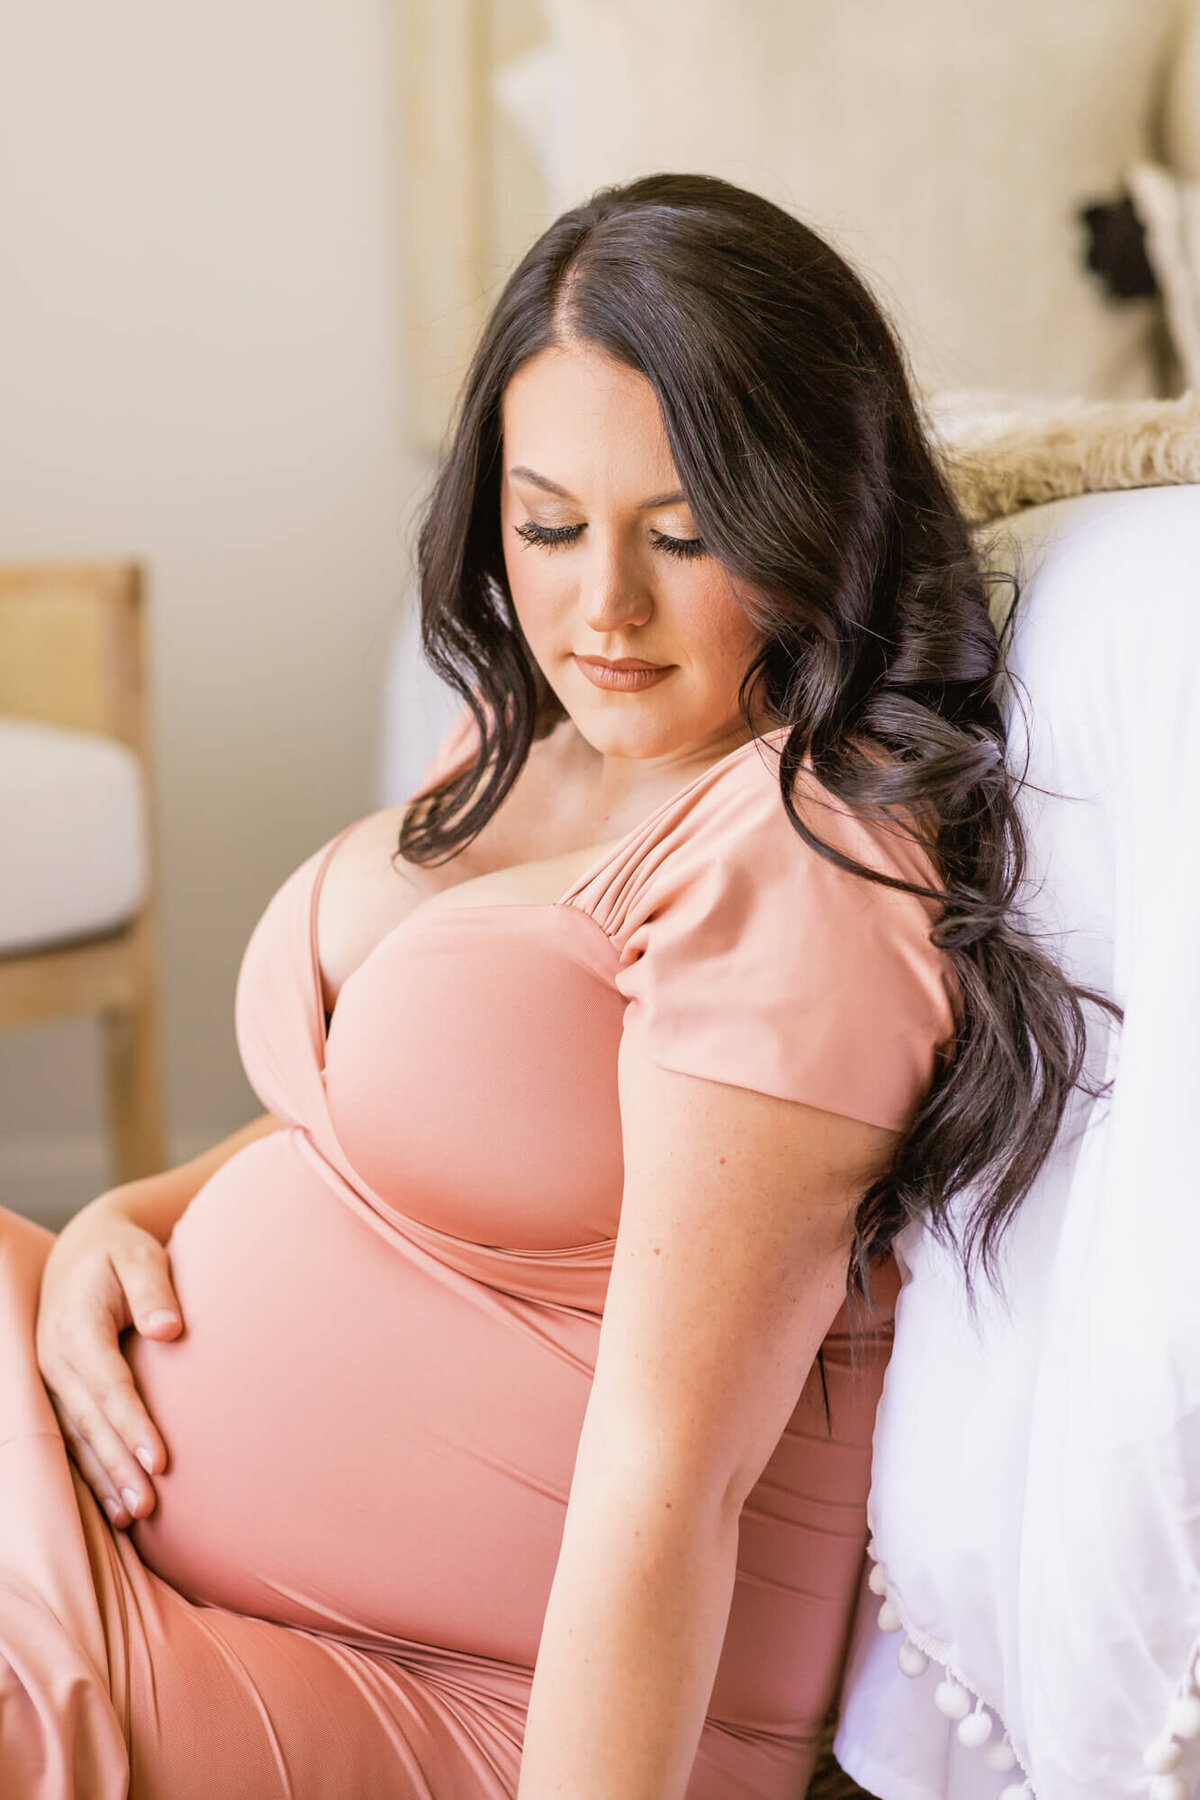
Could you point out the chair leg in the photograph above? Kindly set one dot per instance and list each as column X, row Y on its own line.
column 134, row 1097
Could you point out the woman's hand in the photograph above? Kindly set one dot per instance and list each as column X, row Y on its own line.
column 103, row 1274
column 107, row 1270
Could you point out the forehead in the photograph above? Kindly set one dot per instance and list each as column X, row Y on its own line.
column 573, row 412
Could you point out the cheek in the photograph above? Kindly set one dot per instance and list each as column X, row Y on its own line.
column 536, row 590
column 709, row 613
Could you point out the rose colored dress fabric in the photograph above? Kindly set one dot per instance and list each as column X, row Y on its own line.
column 392, row 1310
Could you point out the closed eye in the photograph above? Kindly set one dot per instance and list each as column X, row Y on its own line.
column 550, row 537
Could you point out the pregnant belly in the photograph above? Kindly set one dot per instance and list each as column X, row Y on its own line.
column 357, row 1441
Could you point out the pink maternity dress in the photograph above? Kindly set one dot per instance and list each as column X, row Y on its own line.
column 391, row 1315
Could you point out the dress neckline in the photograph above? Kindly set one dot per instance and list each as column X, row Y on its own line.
column 614, row 849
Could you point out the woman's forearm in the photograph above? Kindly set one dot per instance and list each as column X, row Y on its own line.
column 630, row 1645
column 156, row 1202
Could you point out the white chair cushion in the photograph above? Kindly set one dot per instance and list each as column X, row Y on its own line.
column 73, row 846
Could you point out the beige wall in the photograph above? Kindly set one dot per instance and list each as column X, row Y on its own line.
column 199, row 366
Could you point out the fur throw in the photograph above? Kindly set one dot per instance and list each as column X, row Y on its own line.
column 1002, row 452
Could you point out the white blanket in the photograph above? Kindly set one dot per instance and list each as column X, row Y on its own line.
column 1035, row 1502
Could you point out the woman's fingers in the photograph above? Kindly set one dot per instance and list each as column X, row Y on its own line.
column 104, row 1275
column 90, row 1467
column 99, row 1396
column 143, row 1269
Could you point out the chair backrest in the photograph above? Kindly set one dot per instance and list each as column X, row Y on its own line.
column 72, row 647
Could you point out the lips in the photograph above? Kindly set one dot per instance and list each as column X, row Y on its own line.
column 625, row 662
column 630, row 675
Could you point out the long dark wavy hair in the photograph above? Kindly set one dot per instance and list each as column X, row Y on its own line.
column 797, row 440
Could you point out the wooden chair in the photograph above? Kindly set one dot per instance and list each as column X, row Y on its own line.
column 72, row 653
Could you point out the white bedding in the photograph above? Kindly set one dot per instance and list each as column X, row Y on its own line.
column 1035, row 1501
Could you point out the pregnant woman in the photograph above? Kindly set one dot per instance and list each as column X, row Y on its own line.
column 512, row 1435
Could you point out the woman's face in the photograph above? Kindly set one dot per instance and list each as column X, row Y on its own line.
column 586, row 460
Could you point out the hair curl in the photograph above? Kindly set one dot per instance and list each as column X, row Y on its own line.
column 796, row 437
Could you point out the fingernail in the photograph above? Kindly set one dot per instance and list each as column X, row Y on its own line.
column 112, row 1508
column 130, row 1499
column 144, row 1457
column 162, row 1318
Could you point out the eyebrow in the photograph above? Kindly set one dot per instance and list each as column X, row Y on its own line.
column 552, row 487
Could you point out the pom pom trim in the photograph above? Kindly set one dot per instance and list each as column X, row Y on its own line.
column 940, row 1653
column 1161, row 1758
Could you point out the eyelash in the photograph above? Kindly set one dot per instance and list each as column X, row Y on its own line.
column 553, row 537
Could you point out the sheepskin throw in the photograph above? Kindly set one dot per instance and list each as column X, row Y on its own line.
column 1002, row 452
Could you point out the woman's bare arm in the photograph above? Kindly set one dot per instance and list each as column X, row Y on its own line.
column 729, row 1269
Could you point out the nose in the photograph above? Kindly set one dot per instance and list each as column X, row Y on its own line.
column 614, row 592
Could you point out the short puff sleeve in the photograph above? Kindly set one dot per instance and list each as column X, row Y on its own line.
column 746, row 957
